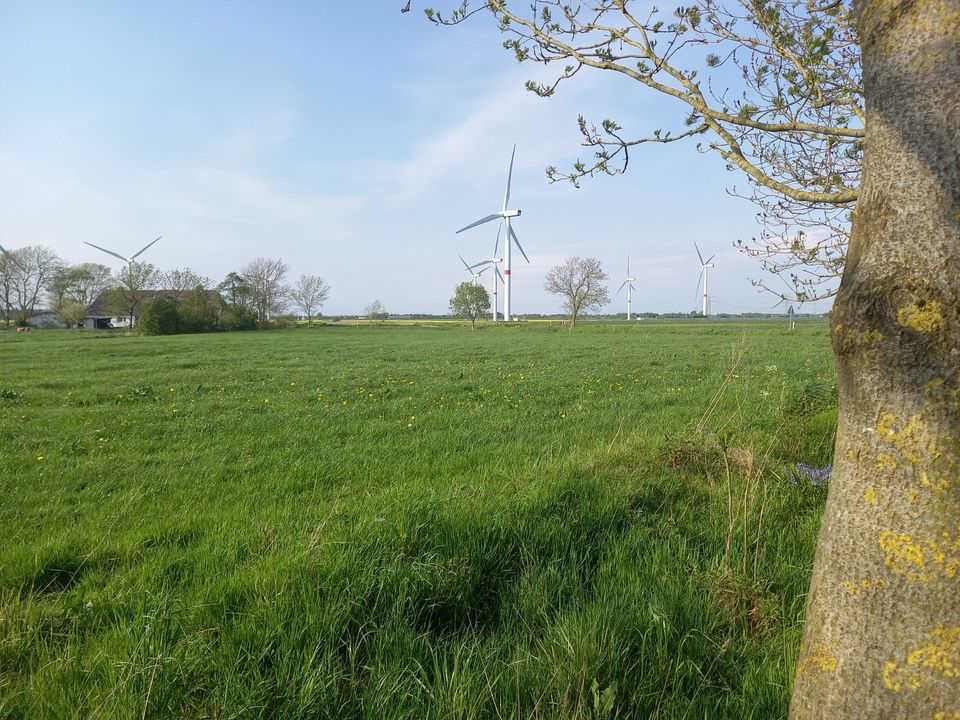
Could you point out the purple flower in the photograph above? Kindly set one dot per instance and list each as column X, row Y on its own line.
column 816, row 476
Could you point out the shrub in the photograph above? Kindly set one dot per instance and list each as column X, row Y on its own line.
column 238, row 318
column 160, row 317
column 200, row 311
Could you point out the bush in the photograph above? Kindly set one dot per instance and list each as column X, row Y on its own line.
column 160, row 317
column 200, row 311
column 238, row 318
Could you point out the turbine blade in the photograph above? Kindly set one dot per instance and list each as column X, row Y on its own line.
column 710, row 259
column 622, row 286
column 108, row 252
column 496, row 245
column 517, row 241
column 698, row 253
column 481, row 221
column 484, row 270
column 628, row 264
column 500, row 275
column 506, row 195
column 463, row 261
column 479, row 264
column 145, row 248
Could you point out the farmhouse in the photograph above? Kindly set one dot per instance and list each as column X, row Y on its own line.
column 100, row 317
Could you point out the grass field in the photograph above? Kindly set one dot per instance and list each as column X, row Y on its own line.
column 416, row 522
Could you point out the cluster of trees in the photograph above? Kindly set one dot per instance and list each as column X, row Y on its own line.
column 180, row 300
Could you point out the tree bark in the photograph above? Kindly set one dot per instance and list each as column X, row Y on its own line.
column 882, row 635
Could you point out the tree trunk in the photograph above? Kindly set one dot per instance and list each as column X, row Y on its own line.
column 882, row 636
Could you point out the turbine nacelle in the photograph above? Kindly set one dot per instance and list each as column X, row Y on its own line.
column 510, row 213
column 128, row 260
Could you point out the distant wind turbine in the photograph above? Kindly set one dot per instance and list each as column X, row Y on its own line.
column 505, row 216
column 128, row 260
column 704, row 273
column 470, row 269
column 628, row 283
column 495, row 262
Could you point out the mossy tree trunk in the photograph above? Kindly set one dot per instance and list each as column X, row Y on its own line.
column 882, row 637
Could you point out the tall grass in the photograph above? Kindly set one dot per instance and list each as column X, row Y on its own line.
column 408, row 522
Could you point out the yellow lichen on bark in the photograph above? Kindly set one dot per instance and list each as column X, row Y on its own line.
column 854, row 587
column 921, row 560
column 818, row 662
column 850, row 339
column 939, row 655
column 885, row 461
column 925, row 318
column 896, row 677
column 914, row 442
column 870, row 496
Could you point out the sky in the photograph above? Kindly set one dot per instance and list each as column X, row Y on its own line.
column 352, row 141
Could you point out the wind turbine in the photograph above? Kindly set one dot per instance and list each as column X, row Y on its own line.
column 492, row 262
column 704, row 273
column 128, row 260
column 470, row 269
column 505, row 216
column 629, row 285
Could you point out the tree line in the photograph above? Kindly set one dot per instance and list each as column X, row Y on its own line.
column 179, row 300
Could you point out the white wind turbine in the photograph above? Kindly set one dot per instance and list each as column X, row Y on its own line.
column 470, row 269
column 628, row 283
column 493, row 262
column 704, row 273
column 505, row 216
column 128, row 260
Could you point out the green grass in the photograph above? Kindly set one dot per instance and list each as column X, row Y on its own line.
column 416, row 522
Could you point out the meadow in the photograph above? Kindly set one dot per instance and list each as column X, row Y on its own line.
column 410, row 521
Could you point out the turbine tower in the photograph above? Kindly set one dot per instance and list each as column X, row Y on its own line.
column 629, row 285
column 505, row 216
column 494, row 262
column 128, row 260
column 704, row 273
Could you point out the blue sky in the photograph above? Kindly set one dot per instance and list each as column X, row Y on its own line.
column 346, row 138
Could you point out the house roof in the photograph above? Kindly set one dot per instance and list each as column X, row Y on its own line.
column 99, row 307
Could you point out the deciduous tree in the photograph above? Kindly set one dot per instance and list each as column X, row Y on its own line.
column 28, row 270
column 268, row 290
column 184, row 280
column 793, row 123
column 74, row 288
column 470, row 301
column 309, row 293
column 882, row 637
column 376, row 311
column 581, row 284
column 236, row 291
column 134, row 282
